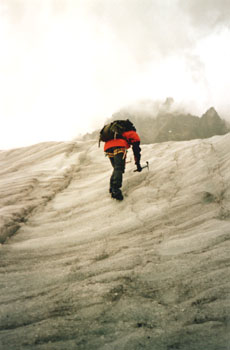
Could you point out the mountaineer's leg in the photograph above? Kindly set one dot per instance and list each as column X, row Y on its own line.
column 116, row 178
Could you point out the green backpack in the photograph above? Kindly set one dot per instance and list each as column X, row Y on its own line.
column 114, row 130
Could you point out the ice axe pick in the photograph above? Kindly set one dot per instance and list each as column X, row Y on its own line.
column 145, row 166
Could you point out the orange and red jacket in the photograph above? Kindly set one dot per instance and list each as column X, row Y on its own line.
column 130, row 136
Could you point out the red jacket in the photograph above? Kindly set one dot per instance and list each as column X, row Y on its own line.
column 131, row 136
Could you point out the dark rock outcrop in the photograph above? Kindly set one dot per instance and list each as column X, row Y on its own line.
column 211, row 124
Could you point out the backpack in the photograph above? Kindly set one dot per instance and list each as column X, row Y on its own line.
column 114, row 130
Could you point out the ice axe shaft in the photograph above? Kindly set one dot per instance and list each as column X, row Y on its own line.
column 145, row 166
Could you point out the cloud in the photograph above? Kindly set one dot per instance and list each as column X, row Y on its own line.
column 146, row 28
column 208, row 15
column 74, row 63
column 150, row 28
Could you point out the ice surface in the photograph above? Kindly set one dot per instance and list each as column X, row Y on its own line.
column 82, row 271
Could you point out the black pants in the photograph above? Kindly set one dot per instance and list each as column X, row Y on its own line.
column 117, row 159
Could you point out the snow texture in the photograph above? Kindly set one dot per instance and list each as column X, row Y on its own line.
column 80, row 270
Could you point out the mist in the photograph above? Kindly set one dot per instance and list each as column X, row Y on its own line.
column 67, row 66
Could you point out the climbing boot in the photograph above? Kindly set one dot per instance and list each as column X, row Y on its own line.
column 117, row 194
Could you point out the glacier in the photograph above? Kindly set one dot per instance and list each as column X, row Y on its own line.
column 80, row 270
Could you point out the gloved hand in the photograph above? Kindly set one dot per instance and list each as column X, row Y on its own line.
column 139, row 168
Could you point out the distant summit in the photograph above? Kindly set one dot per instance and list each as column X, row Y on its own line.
column 212, row 124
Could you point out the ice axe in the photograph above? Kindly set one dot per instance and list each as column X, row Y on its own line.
column 145, row 166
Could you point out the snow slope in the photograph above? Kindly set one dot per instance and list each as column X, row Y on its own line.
column 82, row 271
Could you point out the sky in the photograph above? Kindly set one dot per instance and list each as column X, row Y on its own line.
column 68, row 65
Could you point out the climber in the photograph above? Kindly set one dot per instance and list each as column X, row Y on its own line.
column 118, row 137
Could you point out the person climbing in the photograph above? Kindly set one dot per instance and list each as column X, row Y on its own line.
column 118, row 137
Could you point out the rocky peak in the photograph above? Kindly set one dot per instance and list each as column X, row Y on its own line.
column 211, row 114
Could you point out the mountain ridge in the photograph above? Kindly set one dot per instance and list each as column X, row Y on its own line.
column 162, row 123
